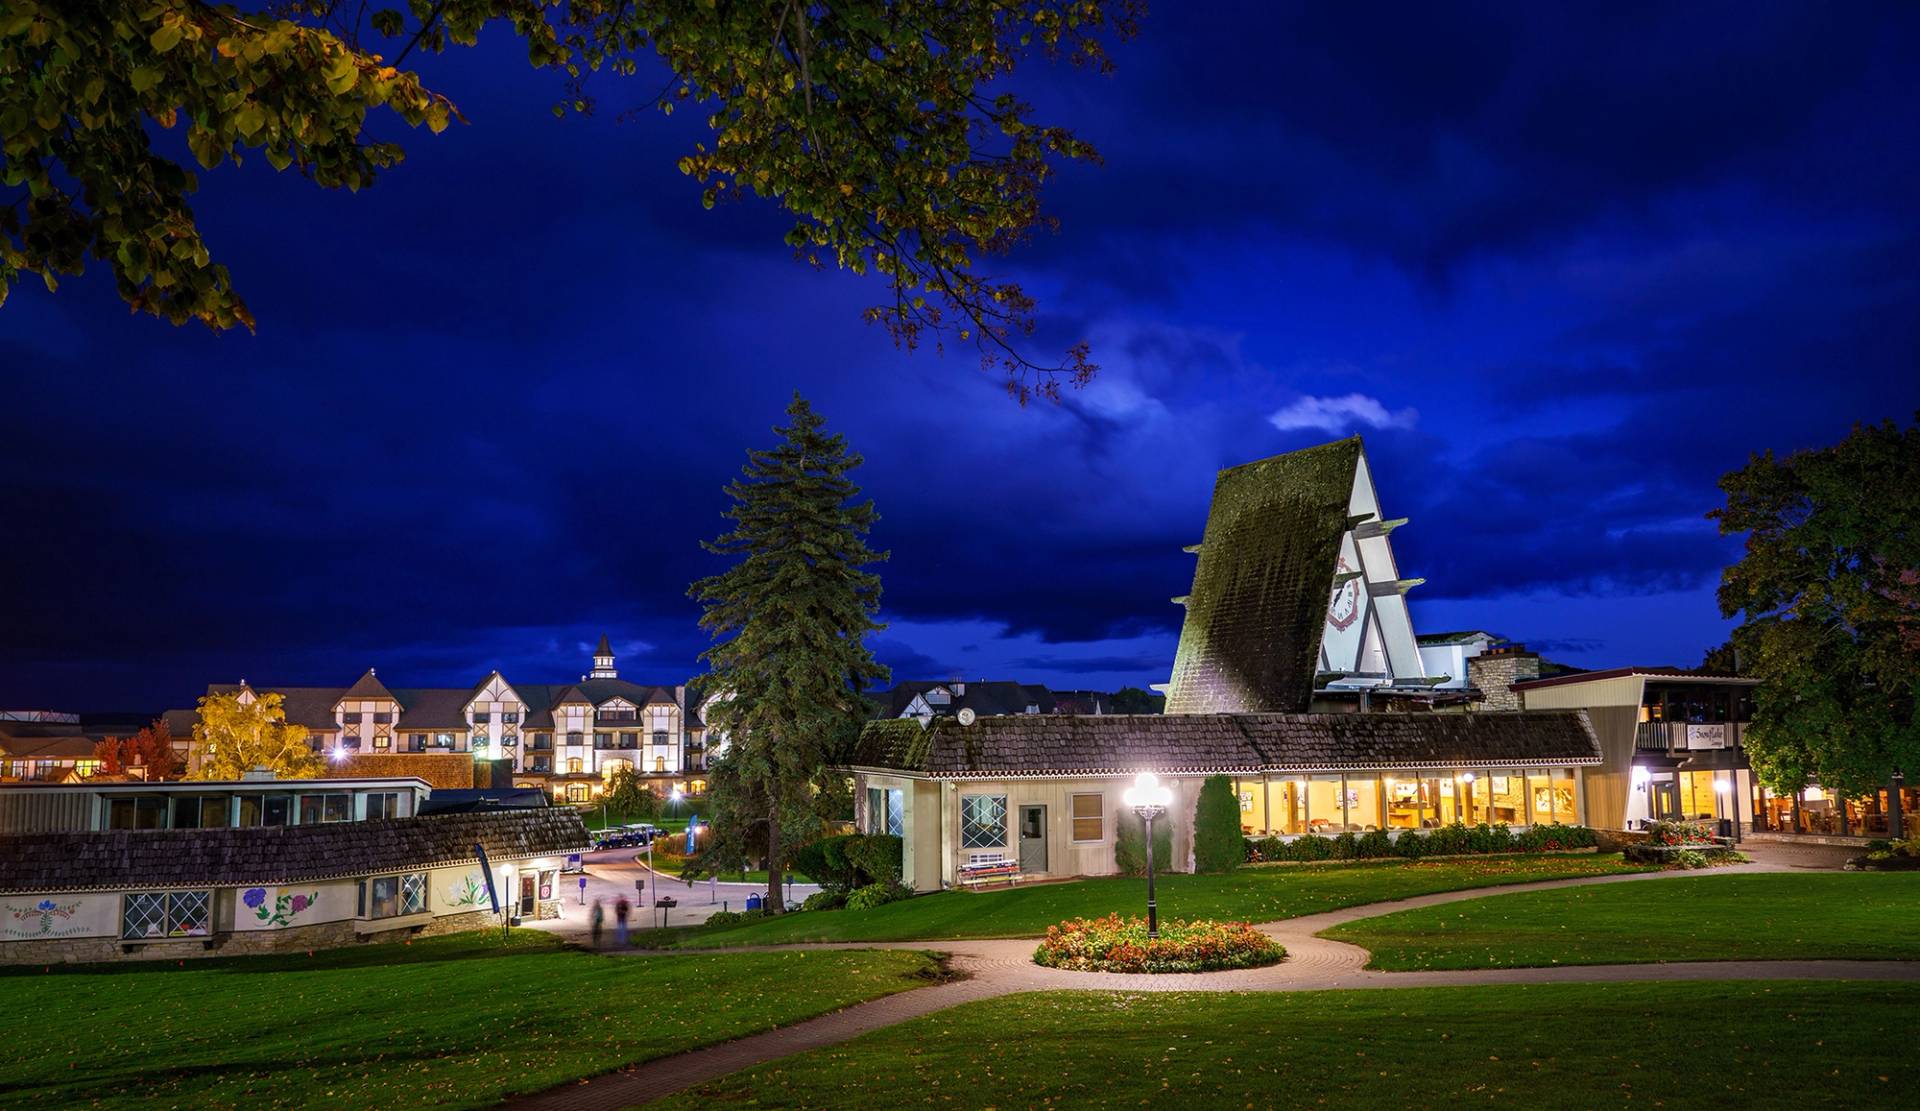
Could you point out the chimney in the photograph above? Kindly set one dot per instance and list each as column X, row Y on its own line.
column 257, row 774
column 1494, row 672
column 960, row 689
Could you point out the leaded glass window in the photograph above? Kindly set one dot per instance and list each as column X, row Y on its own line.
column 983, row 821
column 157, row 914
column 413, row 893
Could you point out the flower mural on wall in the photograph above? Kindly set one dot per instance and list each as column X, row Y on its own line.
column 471, row 891
column 284, row 910
column 45, row 918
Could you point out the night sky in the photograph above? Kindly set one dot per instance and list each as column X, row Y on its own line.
column 1561, row 271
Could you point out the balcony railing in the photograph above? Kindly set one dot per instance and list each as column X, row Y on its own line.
column 1688, row 736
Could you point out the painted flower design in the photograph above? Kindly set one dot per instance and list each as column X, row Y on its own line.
column 299, row 903
column 47, row 905
column 254, row 896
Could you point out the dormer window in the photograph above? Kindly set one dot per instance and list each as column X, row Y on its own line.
column 481, row 717
column 511, row 717
column 938, row 696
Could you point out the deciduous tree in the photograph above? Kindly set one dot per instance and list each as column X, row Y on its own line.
column 790, row 618
column 148, row 753
column 236, row 737
column 880, row 126
column 1826, row 595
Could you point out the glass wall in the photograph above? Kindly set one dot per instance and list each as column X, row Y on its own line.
column 1363, row 801
column 1506, row 797
column 1471, row 790
column 1326, row 810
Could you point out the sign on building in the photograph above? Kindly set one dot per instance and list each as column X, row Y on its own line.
column 1706, row 736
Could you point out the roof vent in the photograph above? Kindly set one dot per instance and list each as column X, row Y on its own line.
column 256, row 774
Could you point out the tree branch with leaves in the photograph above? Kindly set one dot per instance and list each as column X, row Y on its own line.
column 875, row 124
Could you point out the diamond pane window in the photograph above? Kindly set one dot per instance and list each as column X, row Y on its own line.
column 897, row 813
column 413, row 893
column 144, row 915
column 983, row 821
column 187, row 913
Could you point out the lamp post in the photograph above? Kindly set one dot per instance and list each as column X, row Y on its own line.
column 1149, row 799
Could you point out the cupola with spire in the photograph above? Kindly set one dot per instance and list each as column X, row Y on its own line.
column 603, row 661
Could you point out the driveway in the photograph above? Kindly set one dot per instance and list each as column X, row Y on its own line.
column 613, row 873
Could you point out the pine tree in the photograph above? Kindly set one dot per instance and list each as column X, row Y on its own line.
column 790, row 620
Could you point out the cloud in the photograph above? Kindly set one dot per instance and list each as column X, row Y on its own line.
column 1334, row 415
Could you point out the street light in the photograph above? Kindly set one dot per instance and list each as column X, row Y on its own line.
column 1149, row 799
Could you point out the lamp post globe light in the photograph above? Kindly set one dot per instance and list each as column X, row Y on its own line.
column 1149, row 799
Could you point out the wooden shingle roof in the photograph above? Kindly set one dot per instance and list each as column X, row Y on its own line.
column 111, row 860
column 1242, row 744
column 1251, row 639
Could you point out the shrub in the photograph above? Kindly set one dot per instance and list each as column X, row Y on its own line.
column 824, row 900
column 878, row 894
column 1375, row 843
column 1688, row 858
column 875, row 857
column 1216, row 827
column 851, row 860
column 735, row 917
column 1114, row 944
column 1129, row 845
column 1452, row 840
column 1679, row 833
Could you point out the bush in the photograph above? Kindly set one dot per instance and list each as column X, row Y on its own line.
column 849, row 861
column 1129, row 845
column 1375, row 843
column 1113, row 944
column 1453, row 840
column 875, row 857
column 1688, row 858
column 877, row 895
column 1216, row 827
column 735, row 917
column 824, row 900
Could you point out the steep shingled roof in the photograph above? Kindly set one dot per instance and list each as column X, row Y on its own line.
column 367, row 688
column 1115, row 744
column 1251, row 639
column 134, row 859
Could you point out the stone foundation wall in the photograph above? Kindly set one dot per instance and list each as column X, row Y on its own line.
column 324, row 935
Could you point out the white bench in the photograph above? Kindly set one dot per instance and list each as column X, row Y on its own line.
column 990, row 869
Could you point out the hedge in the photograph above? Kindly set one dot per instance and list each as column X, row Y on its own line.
column 1452, row 840
column 1216, row 827
column 850, row 861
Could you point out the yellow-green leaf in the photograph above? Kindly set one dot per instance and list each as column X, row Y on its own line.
column 165, row 38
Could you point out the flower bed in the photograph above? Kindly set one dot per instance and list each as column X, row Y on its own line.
column 1114, row 944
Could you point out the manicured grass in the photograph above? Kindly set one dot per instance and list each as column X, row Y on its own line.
column 1696, row 918
column 1250, row 894
column 752, row 877
column 1789, row 1045
column 457, row 1021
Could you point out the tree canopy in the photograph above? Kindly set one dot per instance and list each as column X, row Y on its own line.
column 150, row 752
column 879, row 126
column 1828, row 592
column 790, row 619
column 235, row 737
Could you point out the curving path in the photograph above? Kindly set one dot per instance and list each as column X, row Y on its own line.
column 1005, row 967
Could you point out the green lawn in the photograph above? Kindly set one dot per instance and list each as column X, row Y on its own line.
column 1787, row 1045
column 1696, row 918
column 457, row 1021
column 1250, row 894
column 752, row 877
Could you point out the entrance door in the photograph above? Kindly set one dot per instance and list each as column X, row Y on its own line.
column 526, row 897
column 1033, row 840
column 1666, row 801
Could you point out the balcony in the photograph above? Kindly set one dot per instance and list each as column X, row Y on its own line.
column 1688, row 736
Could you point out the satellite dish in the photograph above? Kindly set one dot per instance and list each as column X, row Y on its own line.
column 966, row 715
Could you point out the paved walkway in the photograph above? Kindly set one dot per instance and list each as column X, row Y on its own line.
column 612, row 874
column 1005, row 967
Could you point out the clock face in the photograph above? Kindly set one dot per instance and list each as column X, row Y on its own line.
column 1346, row 600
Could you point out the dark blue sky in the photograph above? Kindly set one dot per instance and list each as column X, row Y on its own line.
column 1561, row 270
